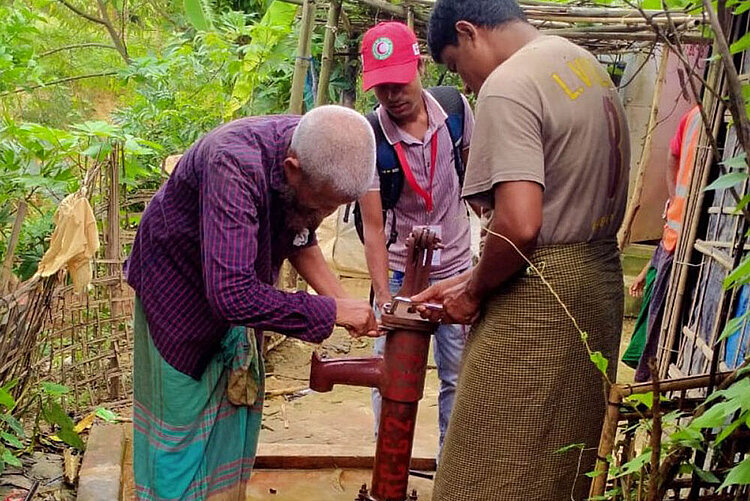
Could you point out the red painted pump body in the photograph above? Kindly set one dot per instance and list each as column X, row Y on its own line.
column 399, row 375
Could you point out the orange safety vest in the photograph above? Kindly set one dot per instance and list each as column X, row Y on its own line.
column 688, row 150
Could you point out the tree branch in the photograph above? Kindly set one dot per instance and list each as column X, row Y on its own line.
column 735, row 103
column 116, row 37
column 76, row 46
column 60, row 81
column 81, row 13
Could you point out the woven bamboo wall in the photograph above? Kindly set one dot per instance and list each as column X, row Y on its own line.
column 86, row 343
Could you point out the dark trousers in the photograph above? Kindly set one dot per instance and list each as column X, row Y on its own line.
column 662, row 261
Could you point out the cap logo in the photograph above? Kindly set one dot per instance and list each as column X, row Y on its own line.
column 382, row 48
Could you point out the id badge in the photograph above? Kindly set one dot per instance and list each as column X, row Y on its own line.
column 436, row 253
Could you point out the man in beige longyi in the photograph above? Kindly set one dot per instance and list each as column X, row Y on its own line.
column 550, row 156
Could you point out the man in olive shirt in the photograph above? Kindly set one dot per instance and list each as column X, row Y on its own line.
column 550, row 156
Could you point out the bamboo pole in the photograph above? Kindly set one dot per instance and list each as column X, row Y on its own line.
column 334, row 12
column 607, row 441
column 113, row 252
column 396, row 10
column 529, row 5
column 297, row 101
column 684, row 252
column 113, row 249
column 635, row 198
column 644, row 36
column 302, row 63
column 6, row 271
column 566, row 18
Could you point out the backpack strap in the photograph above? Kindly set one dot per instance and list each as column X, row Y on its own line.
column 452, row 103
column 391, row 180
column 388, row 167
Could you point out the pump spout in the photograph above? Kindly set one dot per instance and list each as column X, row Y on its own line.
column 362, row 371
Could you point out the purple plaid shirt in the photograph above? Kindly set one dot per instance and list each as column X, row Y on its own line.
column 211, row 242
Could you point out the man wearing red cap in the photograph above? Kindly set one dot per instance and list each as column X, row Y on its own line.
column 422, row 141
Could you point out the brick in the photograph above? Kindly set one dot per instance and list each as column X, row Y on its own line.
column 101, row 471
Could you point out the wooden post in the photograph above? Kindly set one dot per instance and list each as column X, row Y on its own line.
column 6, row 271
column 113, row 249
column 410, row 17
column 635, row 199
column 351, row 70
column 334, row 12
column 113, row 254
column 302, row 63
column 607, row 441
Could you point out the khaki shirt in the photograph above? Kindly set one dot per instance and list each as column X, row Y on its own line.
column 551, row 115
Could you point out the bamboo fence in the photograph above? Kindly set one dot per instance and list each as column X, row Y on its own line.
column 83, row 341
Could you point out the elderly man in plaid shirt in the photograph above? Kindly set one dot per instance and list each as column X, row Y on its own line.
column 208, row 251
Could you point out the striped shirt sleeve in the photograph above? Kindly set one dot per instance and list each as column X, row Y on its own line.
column 229, row 202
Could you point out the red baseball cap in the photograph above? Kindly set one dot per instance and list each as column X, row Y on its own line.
column 390, row 54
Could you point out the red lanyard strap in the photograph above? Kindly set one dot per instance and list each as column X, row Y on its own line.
column 426, row 195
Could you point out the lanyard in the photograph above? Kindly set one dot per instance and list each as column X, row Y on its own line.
column 426, row 195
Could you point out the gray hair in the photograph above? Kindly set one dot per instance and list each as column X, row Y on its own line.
column 336, row 146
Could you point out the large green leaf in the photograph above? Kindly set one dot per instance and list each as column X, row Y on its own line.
column 274, row 26
column 635, row 464
column 14, row 424
column 646, row 399
column 98, row 128
column 10, row 459
column 727, row 181
column 739, row 275
column 741, row 204
column 106, row 414
column 706, row 476
column 739, row 392
column 739, row 475
column 743, row 7
column 54, row 414
column 715, row 416
column 197, row 13
column 730, row 429
column 732, row 326
column 739, row 161
column 11, row 440
column 740, row 45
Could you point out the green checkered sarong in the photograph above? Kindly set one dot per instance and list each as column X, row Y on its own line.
column 190, row 442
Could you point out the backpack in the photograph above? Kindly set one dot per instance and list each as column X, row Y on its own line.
column 389, row 169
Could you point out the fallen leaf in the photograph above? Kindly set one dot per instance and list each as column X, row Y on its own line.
column 85, row 423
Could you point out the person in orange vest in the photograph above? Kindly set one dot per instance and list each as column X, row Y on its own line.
column 644, row 344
